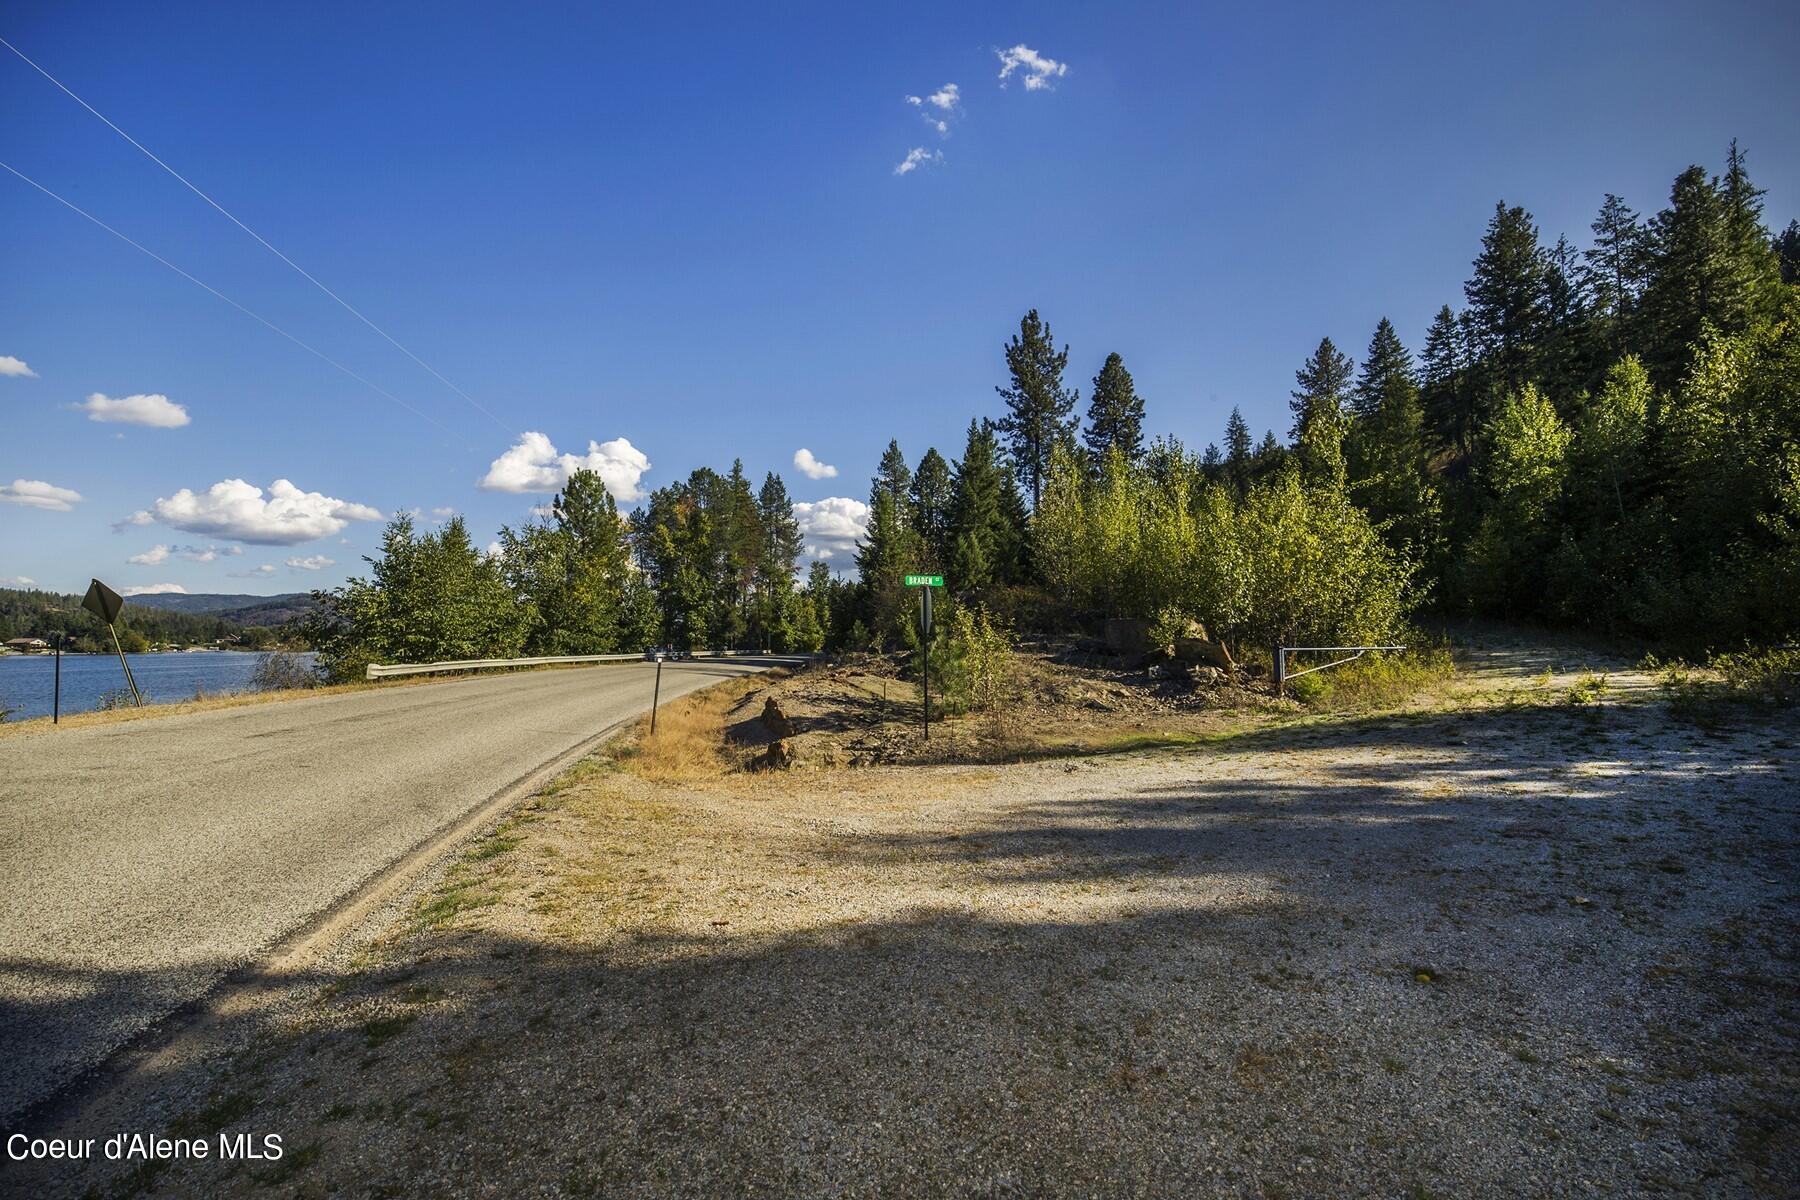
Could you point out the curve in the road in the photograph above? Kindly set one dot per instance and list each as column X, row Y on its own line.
column 144, row 861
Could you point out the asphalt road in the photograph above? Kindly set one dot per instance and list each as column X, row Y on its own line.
column 142, row 861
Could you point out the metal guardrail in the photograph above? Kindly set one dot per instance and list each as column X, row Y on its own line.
column 388, row 671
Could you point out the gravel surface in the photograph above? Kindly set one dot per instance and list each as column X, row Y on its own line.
column 1515, row 951
column 142, row 861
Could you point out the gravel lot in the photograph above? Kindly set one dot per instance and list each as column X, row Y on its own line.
column 1512, row 951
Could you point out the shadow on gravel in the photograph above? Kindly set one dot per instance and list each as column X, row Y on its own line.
column 1477, row 975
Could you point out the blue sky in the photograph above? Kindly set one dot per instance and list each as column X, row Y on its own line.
column 685, row 230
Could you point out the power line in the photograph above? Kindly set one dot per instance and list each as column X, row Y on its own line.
column 223, row 211
column 72, row 207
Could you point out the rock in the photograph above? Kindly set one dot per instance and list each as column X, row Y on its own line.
column 1125, row 636
column 1196, row 645
column 779, row 756
column 776, row 721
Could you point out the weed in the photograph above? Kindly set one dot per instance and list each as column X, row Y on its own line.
column 207, row 1121
column 1375, row 681
column 451, row 902
column 292, row 1163
column 379, row 1029
column 494, row 847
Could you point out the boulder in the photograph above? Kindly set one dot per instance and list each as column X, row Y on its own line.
column 776, row 721
column 1195, row 645
column 1127, row 636
column 779, row 756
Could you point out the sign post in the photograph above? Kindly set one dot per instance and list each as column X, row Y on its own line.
column 656, row 692
column 105, row 603
column 925, row 583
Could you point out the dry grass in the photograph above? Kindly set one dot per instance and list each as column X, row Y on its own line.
column 689, row 743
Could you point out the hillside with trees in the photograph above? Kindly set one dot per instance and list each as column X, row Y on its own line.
column 1604, row 437
column 32, row 613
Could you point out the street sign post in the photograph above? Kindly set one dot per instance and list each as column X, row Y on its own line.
column 925, row 583
column 105, row 603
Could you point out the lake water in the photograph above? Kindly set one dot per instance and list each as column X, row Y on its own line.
column 26, row 680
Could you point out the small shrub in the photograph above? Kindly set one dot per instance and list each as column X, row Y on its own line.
column 1375, row 680
column 113, row 698
column 988, row 662
column 283, row 670
column 1771, row 675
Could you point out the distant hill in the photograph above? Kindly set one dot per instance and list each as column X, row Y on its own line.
column 250, row 622
column 238, row 608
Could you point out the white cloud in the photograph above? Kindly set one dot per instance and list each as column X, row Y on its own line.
column 312, row 562
column 443, row 511
column 533, row 465
column 542, row 512
column 156, row 411
column 255, row 572
column 915, row 156
column 21, row 581
column 35, row 493
column 15, row 368
column 811, row 467
column 206, row 554
column 1039, row 70
column 832, row 526
column 151, row 557
column 155, row 589
column 140, row 517
column 236, row 510
column 945, row 100
column 495, row 550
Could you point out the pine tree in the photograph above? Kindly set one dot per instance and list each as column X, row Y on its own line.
column 893, row 475
column 1115, row 413
column 1038, row 408
column 1443, row 388
column 882, row 559
column 979, row 521
column 1212, row 463
column 1319, row 414
column 1387, row 452
column 1711, row 264
column 1239, row 455
column 1787, row 252
column 1269, row 457
column 1507, row 297
column 1614, row 264
column 1752, row 252
column 1387, row 369
column 933, row 489
column 782, row 541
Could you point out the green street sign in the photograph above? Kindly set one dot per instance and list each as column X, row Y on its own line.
column 924, row 581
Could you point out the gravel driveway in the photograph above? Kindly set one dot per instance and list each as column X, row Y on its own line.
column 1534, row 951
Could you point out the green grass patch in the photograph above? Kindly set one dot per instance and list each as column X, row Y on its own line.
column 221, row 1112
